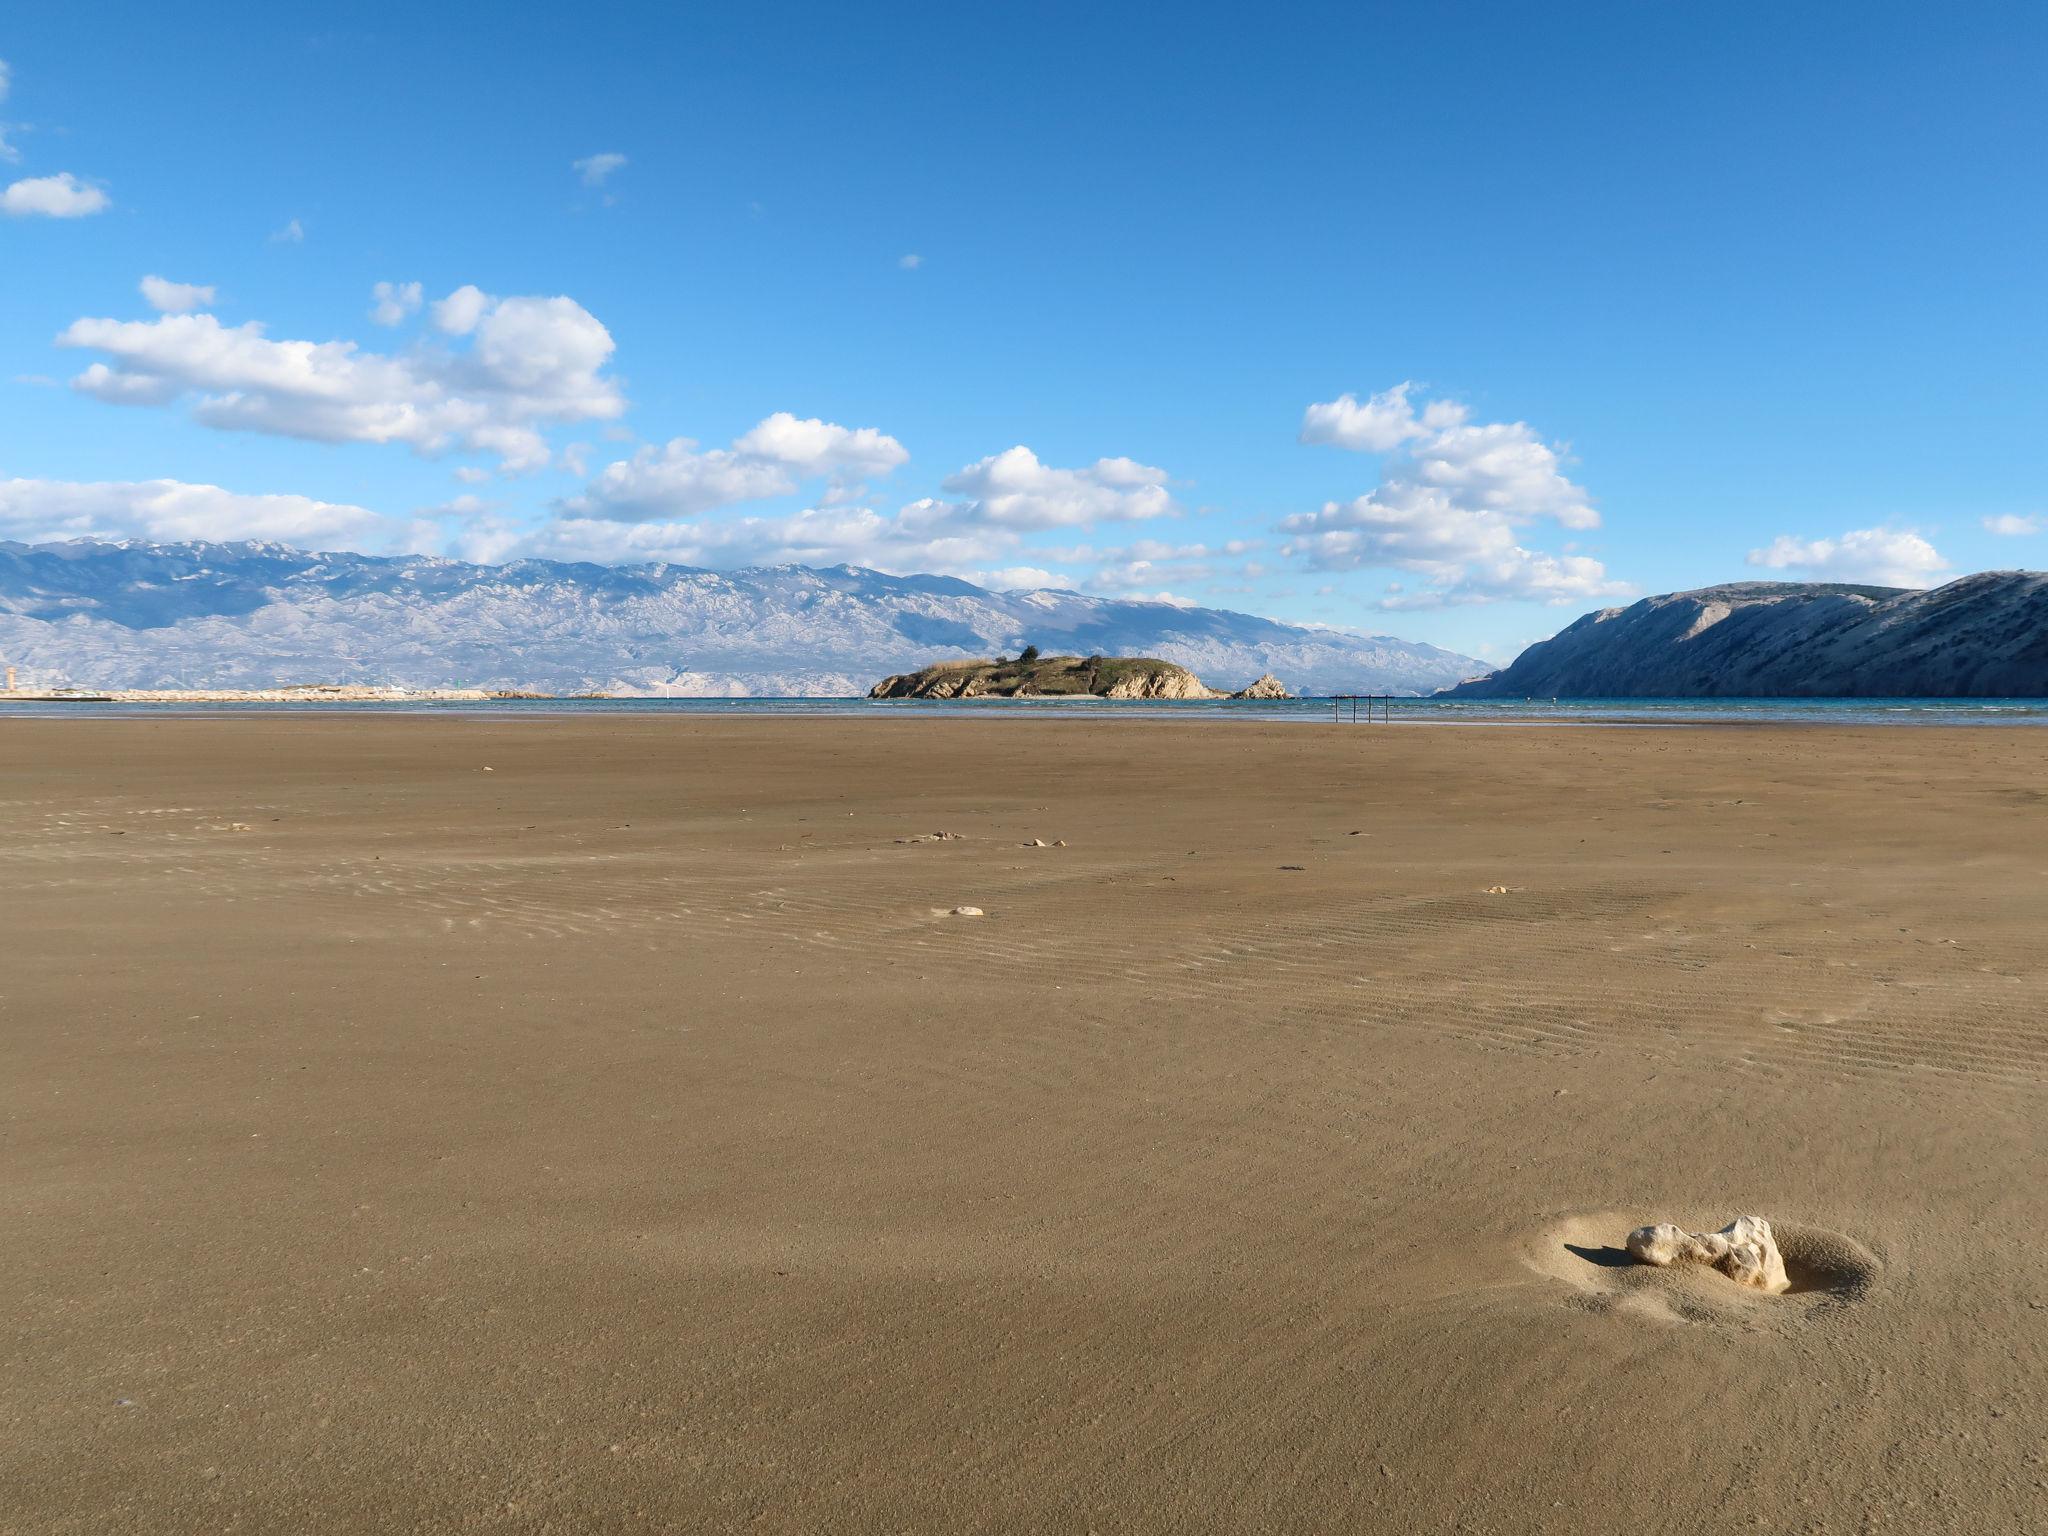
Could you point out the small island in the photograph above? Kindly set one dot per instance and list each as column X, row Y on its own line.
column 1034, row 676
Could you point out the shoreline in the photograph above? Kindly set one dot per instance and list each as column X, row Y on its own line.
column 1972, row 714
column 658, row 1123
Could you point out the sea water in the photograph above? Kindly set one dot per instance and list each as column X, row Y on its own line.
column 1401, row 711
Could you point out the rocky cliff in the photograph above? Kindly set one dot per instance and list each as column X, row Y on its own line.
column 1983, row 636
column 1101, row 677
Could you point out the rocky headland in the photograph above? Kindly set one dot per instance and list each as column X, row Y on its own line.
column 1982, row 636
column 1033, row 676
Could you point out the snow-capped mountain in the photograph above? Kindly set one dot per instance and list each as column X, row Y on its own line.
column 131, row 614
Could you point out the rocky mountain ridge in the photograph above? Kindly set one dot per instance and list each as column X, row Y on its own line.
column 1982, row 636
column 132, row 614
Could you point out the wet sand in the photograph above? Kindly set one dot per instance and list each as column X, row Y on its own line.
column 622, row 1139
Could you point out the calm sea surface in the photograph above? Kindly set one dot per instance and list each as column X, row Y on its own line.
column 1308, row 711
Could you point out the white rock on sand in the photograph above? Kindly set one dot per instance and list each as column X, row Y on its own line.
column 1745, row 1250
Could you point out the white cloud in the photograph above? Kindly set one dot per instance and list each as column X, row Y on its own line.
column 533, row 362
column 650, row 508
column 595, row 170
column 1880, row 556
column 1503, row 468
column 1469, row 554
column 1012, row 489
column 1519, row 575
column 392, row 302
column 471, row 474
column 1148, row 562
column 170, row 509
column 487, row 540
column 911, row 262
column 459, row 313
column 1020, row 578
column 680, row 479
column 293, row 233
column 62, row 196
column 916, row 539
column 1380, row 425
column 1451, row 501
column 810, row 446
column 2012, row 526
column 169, row 298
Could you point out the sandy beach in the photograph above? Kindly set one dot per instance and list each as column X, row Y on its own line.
column 550, row 1124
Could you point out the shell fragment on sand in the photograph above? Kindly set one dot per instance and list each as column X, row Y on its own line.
column 967, row 912
column 1746, row 1251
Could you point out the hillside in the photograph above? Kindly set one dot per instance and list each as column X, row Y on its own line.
column 1101, row 677
column 1983, row 636
column 138, row 615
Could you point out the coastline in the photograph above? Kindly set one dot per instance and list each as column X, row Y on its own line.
column 1838, row 712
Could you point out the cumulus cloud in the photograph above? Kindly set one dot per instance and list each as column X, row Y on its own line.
column 1012, row 489
column 62, row 196
column 652, row 506
column 293, row 233
column 458, row 314
column 1381, row 424
column 169, row 298
column 1149, row 562
column 811, row 446
column 910, row 262
column 2013, row 526
column 390, row 303
column 1019, row 578
column 1468, row 554
column 171, row 510
column 1452, row 500
column 909, row 540
column 1880, row 556
column 680, row 480
column 532, row 362
column 596, row 170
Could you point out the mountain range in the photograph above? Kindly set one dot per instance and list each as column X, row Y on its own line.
column 1982, row 636
column 135, row 614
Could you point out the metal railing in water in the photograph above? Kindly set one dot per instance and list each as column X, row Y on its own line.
column 1384, row 702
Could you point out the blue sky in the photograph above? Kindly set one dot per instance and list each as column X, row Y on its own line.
column 1452, row 321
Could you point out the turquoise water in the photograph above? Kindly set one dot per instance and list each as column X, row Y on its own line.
column 1405, row 711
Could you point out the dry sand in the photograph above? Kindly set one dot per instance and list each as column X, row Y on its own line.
column 630, row 1137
